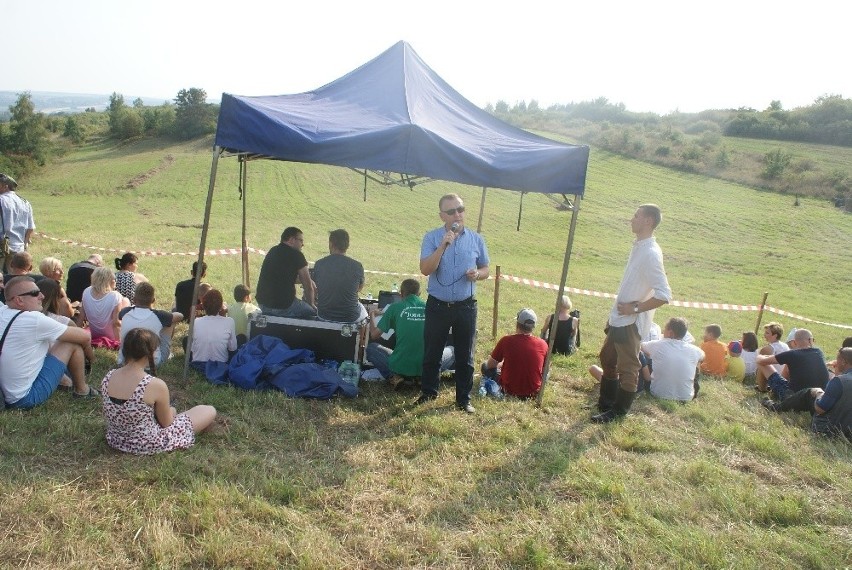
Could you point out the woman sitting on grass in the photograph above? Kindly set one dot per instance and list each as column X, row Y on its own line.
column 139, row 418
column 126, row 278
column 214, row 336
column 55, row 303
column 101, row 304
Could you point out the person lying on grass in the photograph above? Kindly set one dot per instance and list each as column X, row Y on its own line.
column 139, row 417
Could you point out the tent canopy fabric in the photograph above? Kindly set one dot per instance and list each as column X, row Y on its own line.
column 395, row 114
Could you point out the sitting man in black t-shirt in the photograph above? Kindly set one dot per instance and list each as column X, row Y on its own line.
column 184, row 289
column 79, row 277
column 805, row 365
column 283, row 265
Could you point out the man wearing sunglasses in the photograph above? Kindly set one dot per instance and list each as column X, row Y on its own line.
column 454, row 258
column 38, row 351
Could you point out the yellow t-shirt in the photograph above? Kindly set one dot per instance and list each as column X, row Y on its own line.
column 736, row 368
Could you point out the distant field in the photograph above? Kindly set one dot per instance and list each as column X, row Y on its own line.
column 371, row 483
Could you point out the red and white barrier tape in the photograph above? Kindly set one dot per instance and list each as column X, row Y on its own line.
column 511, row 278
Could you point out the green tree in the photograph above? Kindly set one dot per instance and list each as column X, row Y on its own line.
column 138, row 103
column 28, row 131
column 129, row 124
column 502, row 107
column 193, row 115
column 73, row 130
column 115, row 108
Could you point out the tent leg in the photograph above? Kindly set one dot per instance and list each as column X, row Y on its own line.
column 481, row 211
column 244, row 253
column 520, row 211
column 201, row 248
column 575, row 209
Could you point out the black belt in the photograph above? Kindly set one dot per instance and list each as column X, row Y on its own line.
column 468, row 301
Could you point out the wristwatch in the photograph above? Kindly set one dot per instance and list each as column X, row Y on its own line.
column 635, row 307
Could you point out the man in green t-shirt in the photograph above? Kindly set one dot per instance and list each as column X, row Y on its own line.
column 406, row 319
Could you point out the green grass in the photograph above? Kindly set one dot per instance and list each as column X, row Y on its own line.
column 371, row 483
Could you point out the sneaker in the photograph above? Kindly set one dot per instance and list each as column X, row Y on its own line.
column 467, row 408
column 770, row 405
column 395, row 381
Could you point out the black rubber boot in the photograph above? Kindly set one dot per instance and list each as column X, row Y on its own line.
column 609, row 389
column 623, row 401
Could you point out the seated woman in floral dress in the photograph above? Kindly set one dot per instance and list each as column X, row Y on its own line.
column 139, row 418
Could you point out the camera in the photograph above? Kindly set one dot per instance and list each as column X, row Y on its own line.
column 575, row 313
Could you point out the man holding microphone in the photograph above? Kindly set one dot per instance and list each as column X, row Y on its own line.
column 454, row 258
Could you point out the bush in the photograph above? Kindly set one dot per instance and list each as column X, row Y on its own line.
column 776, row 161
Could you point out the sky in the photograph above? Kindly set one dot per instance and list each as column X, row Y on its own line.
column 656, row 56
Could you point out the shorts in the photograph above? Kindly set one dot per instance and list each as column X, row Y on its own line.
column 43, row 386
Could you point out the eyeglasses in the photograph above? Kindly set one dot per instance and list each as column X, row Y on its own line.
column 452, row 211
column 33, row 293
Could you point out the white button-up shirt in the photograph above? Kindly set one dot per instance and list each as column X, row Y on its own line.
column 644, row 278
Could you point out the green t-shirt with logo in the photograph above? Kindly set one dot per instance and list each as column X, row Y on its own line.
column 406, row 318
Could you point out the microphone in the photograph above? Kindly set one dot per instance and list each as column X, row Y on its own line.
column 455, row 227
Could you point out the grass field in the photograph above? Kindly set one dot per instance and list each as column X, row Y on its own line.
column 373, row 483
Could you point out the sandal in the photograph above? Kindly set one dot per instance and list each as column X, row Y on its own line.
column 91, row 393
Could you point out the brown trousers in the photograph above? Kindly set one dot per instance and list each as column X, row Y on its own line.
column 620, row 356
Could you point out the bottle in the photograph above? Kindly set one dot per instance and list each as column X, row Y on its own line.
column 349, row 372
column 482, row 390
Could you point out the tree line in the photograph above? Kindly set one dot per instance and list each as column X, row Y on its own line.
column 694, row 142
column 29, row 138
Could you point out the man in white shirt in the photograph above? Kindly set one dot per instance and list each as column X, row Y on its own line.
column 643, row 288
column 675, row 361
column 30, row 368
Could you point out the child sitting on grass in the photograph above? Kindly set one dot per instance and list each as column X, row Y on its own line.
column 240, row 312
column 139, row 417
column 736, row 365
column 749, row 356
column 714, row 351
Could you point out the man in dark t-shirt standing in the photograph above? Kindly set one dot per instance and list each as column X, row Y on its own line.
column 283, row 265
column 339, row 279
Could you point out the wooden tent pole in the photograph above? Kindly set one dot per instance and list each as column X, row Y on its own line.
column 495, row 315
column 217, row 150
column 575, row 208
column 245, row 261
column 760, row 312
column 520, row 211
column 481, row 212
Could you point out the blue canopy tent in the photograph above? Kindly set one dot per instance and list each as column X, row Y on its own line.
column 394, row 114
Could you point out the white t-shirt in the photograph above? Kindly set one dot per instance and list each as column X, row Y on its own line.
column 750, row 359
column 24, row 350
column 99, row 312
column 674, row 368
column 212, row 337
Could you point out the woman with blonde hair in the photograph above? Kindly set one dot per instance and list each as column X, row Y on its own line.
column 100, row 307
column 51, row 268
column 567, row 328
column 136, row 404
